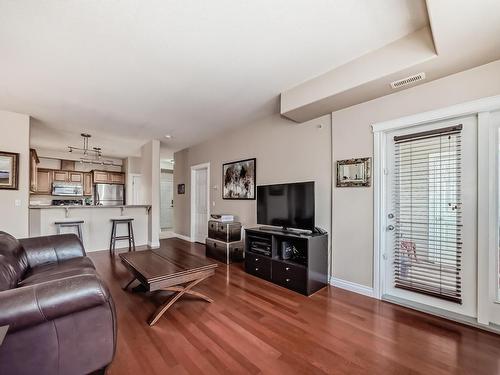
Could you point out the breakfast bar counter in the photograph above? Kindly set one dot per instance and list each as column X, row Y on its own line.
column 97, row 222
column 41, row 206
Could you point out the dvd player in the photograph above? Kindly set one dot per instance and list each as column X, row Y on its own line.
column 260, row 251
column 260, row 247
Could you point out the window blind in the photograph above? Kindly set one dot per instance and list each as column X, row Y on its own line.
column 428, row 213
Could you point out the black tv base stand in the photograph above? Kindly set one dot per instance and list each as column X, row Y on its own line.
column 294, row 260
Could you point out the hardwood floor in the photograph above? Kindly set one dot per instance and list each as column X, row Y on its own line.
column 257, row 327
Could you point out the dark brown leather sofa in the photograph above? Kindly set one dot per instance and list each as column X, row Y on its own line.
column 60, row 314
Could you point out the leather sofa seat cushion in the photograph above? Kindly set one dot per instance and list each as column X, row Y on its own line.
column 55, row 271
column 13, row 261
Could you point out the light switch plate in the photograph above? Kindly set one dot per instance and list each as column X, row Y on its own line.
column 17, row 202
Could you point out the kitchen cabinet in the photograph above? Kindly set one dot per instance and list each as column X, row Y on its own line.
column 61, row 176
column 67, row 165
column 100, row 177
column 116, row 178
column 43, row 181
column 87, row 184
column 103, row 177
column 75, row 177
column 68, row 176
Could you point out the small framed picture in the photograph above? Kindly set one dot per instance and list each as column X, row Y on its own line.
column 354, row 173
column 9, row 170
column 238, row 179
column 181, row 189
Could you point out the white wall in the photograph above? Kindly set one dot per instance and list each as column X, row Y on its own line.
column 131, row 165
column 352, row 137
column 15, row 137
column 134, row 164
column 150, row 178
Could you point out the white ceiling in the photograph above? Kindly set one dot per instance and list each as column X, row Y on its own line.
column 129, row 71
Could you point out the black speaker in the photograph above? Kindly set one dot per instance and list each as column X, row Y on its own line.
column 286, row 250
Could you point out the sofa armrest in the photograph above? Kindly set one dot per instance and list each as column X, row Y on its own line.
column 34, row 304
column 52, row 249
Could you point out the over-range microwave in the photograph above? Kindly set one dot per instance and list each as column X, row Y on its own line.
column 67, row 188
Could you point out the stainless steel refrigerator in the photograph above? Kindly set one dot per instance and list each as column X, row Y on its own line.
column 108, row 195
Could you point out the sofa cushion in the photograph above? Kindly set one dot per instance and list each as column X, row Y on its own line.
column 55, row 271
column 13, row 261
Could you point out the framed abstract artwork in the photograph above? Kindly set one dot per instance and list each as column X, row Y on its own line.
column 238, row 179
column 9, row 170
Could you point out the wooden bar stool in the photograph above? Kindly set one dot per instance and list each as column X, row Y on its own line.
column 70, row 223
column 129, row 236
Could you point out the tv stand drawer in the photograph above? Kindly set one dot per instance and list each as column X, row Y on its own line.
column 258, row 265
column 290, row 276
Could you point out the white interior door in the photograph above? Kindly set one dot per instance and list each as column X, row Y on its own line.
column 430, row 254
column 199, row 202
column 166, row 200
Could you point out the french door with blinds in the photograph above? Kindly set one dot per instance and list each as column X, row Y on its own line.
column 431, row 203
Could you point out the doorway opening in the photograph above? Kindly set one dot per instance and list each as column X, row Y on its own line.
column 166, row 198
column 200, row 201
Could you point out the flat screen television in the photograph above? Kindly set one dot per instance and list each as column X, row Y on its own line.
column 286, row 205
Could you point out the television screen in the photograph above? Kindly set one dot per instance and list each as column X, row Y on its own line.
column 286, row 205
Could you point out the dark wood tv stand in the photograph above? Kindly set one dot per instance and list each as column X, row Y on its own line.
column 305, row 272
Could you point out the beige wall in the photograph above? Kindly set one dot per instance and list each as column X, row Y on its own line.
column 15, row 137
column 298, row 152
column 352, row 137
column 285, row 152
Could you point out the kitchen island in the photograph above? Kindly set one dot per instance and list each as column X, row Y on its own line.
column 97, row 222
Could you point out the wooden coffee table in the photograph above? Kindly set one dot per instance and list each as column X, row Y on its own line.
column 168, row 269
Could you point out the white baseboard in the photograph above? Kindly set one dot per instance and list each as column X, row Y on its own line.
column 183, row 237
column 154, row 245
column 167, row 234
column 352, row 287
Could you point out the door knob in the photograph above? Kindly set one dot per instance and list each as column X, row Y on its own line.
column 390, row 227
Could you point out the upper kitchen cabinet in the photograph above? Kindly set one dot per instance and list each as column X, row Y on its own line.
column 100, row 177
column 75, row 177
column 61, row 176
column 103, row 177
column 68, row 176
column 43, row 181
column 68, row 165
column 87, row 184
column 116, row 178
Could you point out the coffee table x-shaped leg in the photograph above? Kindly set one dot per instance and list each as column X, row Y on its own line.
column 179, row 290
